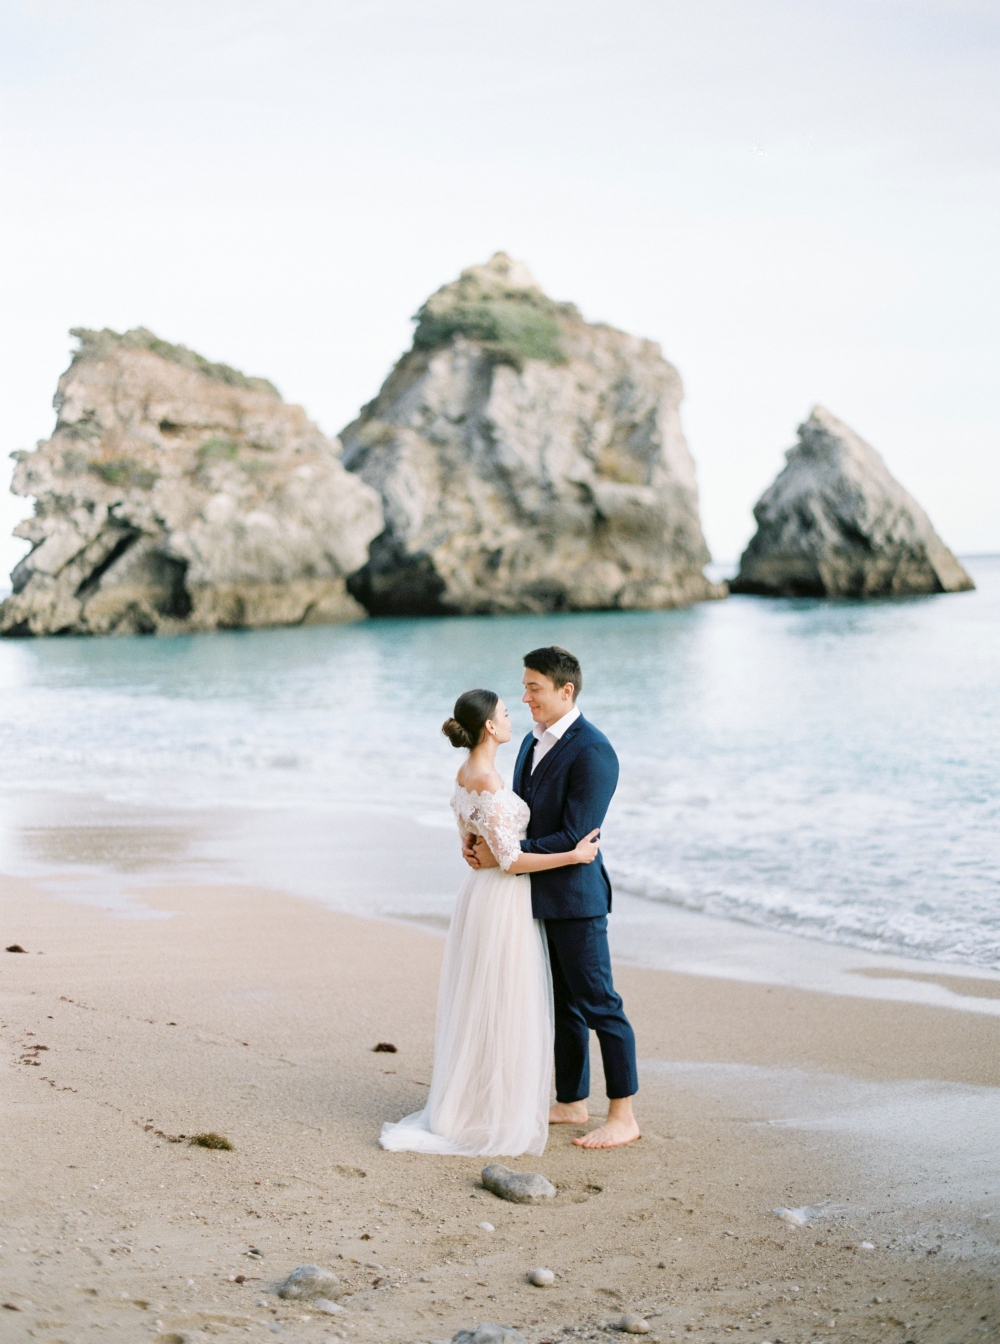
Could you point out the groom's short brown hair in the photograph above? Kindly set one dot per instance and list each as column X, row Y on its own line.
column 559, row 665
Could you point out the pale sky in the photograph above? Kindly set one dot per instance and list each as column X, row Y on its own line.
column 799, row 201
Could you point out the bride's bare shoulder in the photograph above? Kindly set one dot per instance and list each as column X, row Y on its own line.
column 483, row 782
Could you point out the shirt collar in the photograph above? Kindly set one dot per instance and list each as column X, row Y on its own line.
column 557, row 729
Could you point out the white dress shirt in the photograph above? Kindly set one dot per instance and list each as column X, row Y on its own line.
column 546, row 738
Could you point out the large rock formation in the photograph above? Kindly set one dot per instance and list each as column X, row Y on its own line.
column 175, row 495
column 835, row 523
column 528, row 461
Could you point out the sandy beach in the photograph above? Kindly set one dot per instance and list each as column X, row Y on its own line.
column 254, row 1015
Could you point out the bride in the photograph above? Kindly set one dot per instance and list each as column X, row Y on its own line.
column 492, row 1075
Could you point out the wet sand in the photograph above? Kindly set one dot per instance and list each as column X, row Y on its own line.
column 254, row 1015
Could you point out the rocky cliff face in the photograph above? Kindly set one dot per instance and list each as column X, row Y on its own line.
column 835, row 523
column 527, row 461
column 175, row 495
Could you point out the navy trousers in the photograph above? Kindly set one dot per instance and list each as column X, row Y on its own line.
column 586, row 1000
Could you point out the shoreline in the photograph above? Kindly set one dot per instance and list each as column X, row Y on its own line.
column 254, row 1014
column 115, row 855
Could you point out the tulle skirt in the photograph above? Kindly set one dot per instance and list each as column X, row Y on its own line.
column 492, row 1077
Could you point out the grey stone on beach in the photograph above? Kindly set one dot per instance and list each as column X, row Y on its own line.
column 324, row 1305
column 489, row 1334
column 633, row 1324
column 308, row 1281
column 179, row 495
column 527, row 461
column 836, row 523
column 520, row 1187
column 542, row 1278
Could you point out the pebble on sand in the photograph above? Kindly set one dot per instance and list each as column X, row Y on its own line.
column 489, row 1334
column 306, row 1281
column 801, row 1217
column 324, row 1305
column 521, row 1187
column 14, row 947
column 633, row 1324
column 542, row 1278
column 486, row 1227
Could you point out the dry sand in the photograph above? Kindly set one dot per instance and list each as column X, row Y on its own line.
column 254, row 1015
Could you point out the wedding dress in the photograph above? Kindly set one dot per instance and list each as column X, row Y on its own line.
column 493, row 1041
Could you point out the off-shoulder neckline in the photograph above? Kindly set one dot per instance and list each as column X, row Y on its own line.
column 487, row 793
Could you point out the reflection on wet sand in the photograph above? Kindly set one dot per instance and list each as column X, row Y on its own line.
column 127, row 849
column 966, row 985
column 432, row 921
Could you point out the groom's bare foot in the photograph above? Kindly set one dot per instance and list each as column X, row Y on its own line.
column 621, row 1127
column 569, row 1113
column 612, row 1134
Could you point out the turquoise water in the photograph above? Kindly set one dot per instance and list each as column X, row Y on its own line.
column 827, row 769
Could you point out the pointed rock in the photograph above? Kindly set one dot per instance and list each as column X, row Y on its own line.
column 835, row 523
column 176, row 495
column 528, row 461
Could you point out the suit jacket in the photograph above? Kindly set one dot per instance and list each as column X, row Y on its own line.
column 568, row 795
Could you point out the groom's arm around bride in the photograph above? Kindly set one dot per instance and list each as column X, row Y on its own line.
column 567, row 772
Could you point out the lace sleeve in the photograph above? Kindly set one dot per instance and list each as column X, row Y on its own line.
column 464, row 828
column 498, row 828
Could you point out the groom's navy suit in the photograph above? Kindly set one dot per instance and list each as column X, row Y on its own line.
column 568, row 794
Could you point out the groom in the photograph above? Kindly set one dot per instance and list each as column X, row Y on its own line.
column 567, row 772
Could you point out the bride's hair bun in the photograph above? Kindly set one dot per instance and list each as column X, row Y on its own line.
column 472, row 710
column 456, row 734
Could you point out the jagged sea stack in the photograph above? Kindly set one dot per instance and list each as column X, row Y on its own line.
column 835, row 523
column 528, row 461
column 178, row 495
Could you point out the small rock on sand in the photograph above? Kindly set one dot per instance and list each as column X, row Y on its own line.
column 486, row 1227
column 799, row 1217
column 324, row 1305
column 633, row 1324
column 489, row 1334
column 542, row 1278
column 306, row 1281
column 14, row 947
column 521, row 1187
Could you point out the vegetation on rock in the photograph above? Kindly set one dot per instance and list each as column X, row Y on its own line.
column 511, row 330
column 513, row 321
column 102, row 344
column 121, row 471
column 219, row 449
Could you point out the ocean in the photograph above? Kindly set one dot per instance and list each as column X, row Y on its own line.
column 829, row 770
